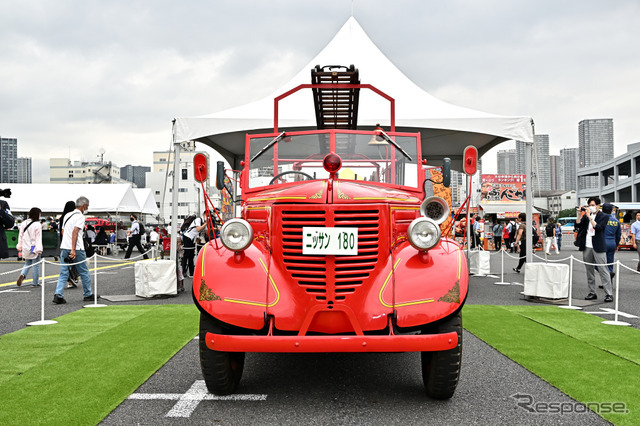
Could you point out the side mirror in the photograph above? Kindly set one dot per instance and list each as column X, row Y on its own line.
column 200, row 167
column 446, row 172
column 220, row 175
column 470, row 160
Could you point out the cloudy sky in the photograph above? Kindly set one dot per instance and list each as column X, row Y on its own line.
column 78, row 75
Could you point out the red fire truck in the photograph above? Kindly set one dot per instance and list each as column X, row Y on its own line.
column 337, row 250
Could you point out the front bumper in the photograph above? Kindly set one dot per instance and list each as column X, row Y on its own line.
column 357, row 343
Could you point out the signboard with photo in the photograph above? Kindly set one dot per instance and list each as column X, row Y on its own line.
column 502, row 189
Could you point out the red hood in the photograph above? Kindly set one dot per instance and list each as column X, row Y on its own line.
column 342, row 192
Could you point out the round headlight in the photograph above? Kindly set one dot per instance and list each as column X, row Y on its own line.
column 236, row 234
column 423, row 233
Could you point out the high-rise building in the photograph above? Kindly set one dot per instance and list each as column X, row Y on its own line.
column 520, row 149
column 8, row 160
column 541, row 167
column 569, row 160
column 135, row 174
column 556, row 172
column 458, row 188
column 23, row 170
column 507, row 163
column 595, row 146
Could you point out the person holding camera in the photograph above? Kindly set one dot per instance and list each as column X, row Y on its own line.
column 72, row 251
column 591, row 242
column 30, row 245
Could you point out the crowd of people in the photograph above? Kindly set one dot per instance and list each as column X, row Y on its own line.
column 78, row 241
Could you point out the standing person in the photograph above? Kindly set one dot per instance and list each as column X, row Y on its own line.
column 520, row 242
column 612, row 234
column 135, row 238
column 472, row 231
column 30, row 244
column 505, row 237
column 512, row 235
column 591, row 243
column 559, row 235
column 6, row 222
column 497, row 235
column 189, row 244
column 635, row 230
column 72, row 251
column 550, row 237
column 69, row 207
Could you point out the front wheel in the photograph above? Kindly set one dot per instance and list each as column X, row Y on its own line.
column 221, row 370
column 440, row 370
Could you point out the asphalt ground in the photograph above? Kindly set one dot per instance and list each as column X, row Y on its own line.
column 332, row 388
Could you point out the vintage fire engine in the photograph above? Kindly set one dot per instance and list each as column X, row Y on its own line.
column 337, row 248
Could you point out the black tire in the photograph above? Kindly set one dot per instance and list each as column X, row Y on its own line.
column 221, row 370
column 440, row 370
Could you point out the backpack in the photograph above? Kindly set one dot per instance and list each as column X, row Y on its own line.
column 140, row 228
column 187, row 223
column 549, row 229
column 512, row 233
column 535, row 237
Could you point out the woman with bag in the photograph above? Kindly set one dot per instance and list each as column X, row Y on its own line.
column 30, row 245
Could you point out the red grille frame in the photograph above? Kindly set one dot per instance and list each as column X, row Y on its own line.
column 330, row 278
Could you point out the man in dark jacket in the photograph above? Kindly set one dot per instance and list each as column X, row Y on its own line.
column 6, row 222
column 591, row 243
column 612, row 234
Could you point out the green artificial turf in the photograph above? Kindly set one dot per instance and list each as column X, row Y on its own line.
column 79, row 370
column 573, row 351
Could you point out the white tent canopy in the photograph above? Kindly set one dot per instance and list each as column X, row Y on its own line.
column 51, row 198
column 445, row 129
column 144, row 197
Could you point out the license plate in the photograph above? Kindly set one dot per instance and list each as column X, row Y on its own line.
column 329, row 241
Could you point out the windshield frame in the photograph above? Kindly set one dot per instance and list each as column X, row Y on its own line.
column 418, row 162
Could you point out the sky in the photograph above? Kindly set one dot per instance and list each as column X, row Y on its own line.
column 80, row 75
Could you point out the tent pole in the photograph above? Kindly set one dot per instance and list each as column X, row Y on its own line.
column 528, row 151
column 174, row 197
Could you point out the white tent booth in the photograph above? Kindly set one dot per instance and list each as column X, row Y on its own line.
column 51, row 198
column 445, row 129
column 146, row 202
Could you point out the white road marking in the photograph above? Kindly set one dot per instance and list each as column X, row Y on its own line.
column 515, row 283
column 493, row 276
column 612, row 312
column 189, row 401
column 11, row 290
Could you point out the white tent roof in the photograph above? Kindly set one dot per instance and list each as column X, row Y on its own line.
column 51, row 198
column 446, row 129
column 144, row 197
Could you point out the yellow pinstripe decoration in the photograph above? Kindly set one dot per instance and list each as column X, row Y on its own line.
column 247, row 302
column 413, row 302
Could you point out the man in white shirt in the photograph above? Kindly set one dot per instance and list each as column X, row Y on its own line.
column 72, row 251
column 135, row 239
column 189, row 244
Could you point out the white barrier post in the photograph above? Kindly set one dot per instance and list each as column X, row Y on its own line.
column 502, row 282
column 615, row 319
column 569, row 306
column 42, row 320
column 95, row 303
